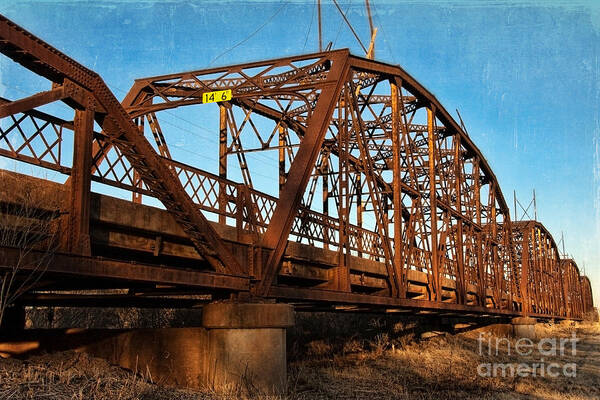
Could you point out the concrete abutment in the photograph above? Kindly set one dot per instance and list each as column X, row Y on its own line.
column 246, row 344
column 524, row 327
column 241, row 346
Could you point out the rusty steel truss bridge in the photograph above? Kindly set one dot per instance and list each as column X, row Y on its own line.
column 383, row 202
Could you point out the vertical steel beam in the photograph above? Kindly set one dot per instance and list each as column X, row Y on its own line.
column 79, row 209
column 510, row 247
column 544, row 268
column 396, row 187
column 222, row 163
column 557, row 284
column 136, row 197
column 325, row 178
column 496, row 260
column 563, row 287
column 359, row 209
column 341, row 275
column 282, row 148
column 526, row 302
column 536, row 269
column 551, row 278
column 544, row 264
column 431, row 141
column 460, row 261
column 359, row 202
column 579, row 297
column 571, row 309
column 480, row 266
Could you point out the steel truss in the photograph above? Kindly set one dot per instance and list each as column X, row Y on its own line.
column 371, row 168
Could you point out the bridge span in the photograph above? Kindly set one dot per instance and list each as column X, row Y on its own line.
column 379, row 200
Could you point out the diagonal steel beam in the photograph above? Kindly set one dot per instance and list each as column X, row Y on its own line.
column 277, row 233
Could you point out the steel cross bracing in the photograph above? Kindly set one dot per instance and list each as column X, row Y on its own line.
column 390, row 203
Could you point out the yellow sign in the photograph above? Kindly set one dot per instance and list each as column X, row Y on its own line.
column 220, row 95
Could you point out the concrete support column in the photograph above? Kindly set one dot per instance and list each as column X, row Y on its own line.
column 241, row 346
column 524, row 327
column 246, row 345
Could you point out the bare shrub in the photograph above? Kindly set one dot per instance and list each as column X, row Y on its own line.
column 29, row 226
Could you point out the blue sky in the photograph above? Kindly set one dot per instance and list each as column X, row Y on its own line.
column 524, row 75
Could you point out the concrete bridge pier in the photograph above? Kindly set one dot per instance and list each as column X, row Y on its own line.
column 240, row 347
column 246, row 345
column 524, row 327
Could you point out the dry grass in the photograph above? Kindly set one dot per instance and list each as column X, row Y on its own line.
column 567, row 328
column 379, row 366
column 445, row 367
column 76, row 376
column 429, row 369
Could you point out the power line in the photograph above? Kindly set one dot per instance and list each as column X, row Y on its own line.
column 337, row 35
column 250, row 35
column 312, row 15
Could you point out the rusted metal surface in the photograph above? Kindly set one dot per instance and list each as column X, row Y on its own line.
column 572, row 288
column 46, row 61
column 544, row 280
column 79, row 207
column 408, row 214
column 586, row 293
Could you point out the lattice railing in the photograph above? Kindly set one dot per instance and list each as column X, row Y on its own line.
column 34, row 137
column 221, row 197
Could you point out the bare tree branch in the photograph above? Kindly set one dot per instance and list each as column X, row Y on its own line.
column 28, row 221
